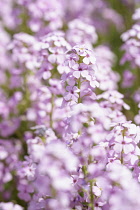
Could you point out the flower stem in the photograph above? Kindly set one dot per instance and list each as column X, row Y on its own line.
column 91, row 196
column 122, row 156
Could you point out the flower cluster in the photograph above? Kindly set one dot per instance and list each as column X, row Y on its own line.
column 131, row 47
column 69, row 139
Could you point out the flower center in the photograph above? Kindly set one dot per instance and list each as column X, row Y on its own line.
column 80, row 69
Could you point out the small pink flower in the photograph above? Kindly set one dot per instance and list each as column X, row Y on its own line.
column 80, row 70
column 89, row 58
column 124, row 144
column 72, row 93
column 71, row 59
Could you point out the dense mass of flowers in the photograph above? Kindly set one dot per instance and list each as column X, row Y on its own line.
column 69, row 105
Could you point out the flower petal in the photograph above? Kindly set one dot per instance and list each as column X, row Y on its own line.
column 76, row 74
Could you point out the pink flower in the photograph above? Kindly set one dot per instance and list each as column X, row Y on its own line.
column 56, row 57
column 72, row 93
column 24, row 192
column 123, row 144
column 80, row 70
column 71, row 59
column 10, row 206
column 88, row 55
column 89, row 58
column 80, row 50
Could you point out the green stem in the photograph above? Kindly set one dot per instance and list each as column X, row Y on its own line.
column 122, row 156
column 91, row 196
column 79, row 86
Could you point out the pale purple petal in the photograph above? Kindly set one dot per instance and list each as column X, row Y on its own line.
column 52, row 58
column 128, row 148
column 76, row 74
column 84, row 73
column 86, row 60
